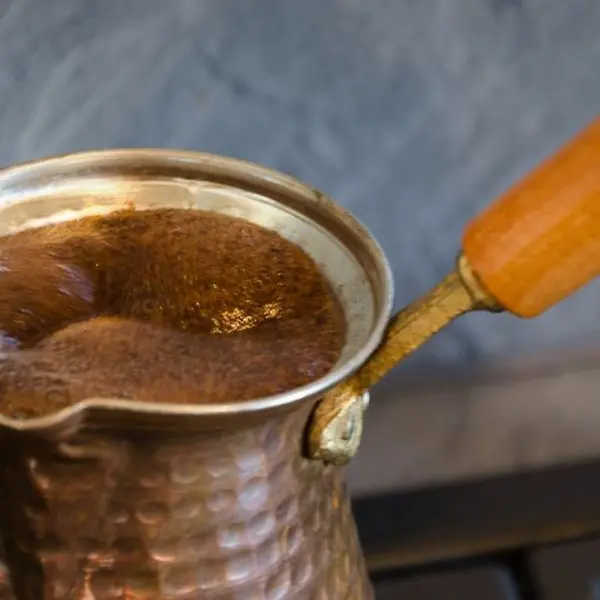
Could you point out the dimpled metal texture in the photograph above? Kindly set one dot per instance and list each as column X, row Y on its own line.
column 234, row 513
column 6, row 592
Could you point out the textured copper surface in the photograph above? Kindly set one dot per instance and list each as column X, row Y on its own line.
column 6, row 592
column 215, row 515
column 121, row 499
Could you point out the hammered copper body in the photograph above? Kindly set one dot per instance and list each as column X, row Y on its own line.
column 218, row 514
column 113, row 499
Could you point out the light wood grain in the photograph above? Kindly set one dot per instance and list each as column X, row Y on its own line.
column 540, row 241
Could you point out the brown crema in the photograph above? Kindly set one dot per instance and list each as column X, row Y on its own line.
column 165, row 305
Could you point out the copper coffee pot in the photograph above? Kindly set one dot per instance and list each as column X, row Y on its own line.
column 115, row 499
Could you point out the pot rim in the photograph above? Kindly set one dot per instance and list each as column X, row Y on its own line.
column 222, row 168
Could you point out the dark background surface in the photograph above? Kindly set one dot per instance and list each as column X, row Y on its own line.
column 531, row 536
column 411, row 114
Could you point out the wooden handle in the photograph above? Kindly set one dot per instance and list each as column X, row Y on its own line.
column 540, row 241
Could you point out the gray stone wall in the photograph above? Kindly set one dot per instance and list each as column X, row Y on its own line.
column 413, row 114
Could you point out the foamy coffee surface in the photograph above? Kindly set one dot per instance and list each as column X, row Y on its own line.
column 166, row 305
